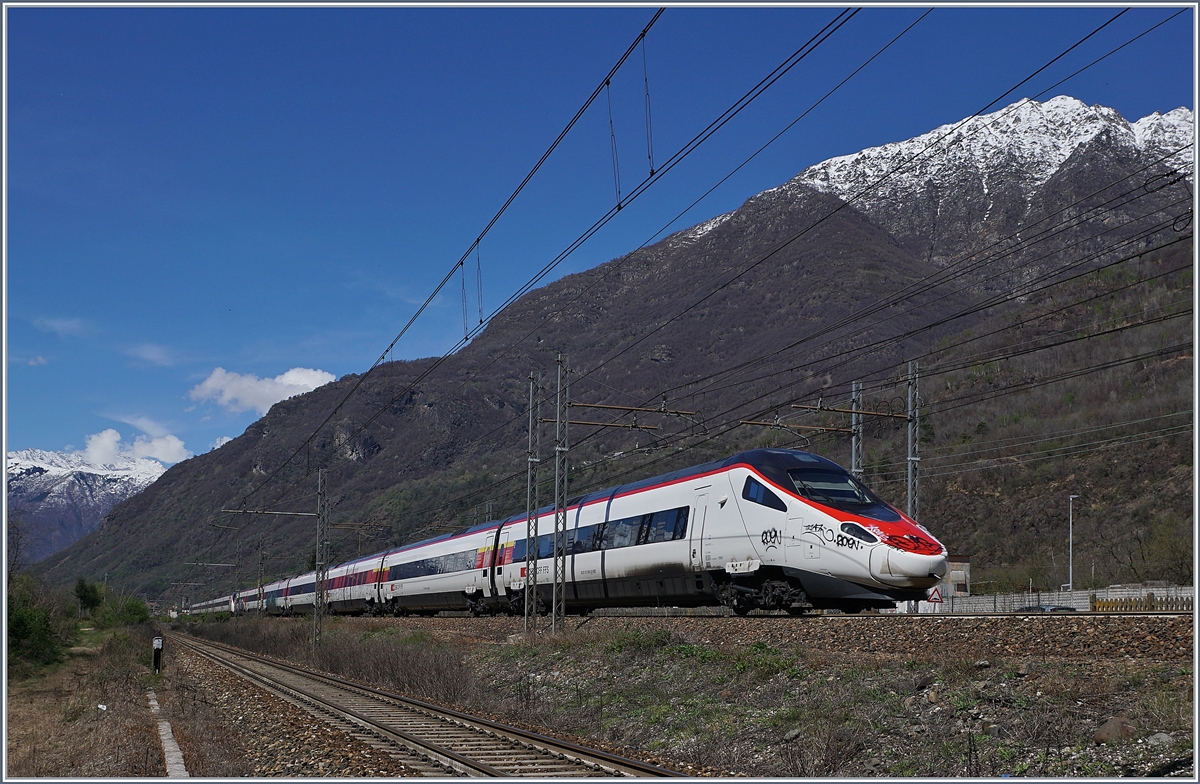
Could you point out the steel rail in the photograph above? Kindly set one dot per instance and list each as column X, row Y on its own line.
column 588, row 761
column 445, row 759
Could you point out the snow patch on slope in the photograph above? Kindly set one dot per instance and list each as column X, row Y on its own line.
column 1028, row 140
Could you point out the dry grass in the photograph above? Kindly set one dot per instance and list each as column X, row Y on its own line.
column 789, row 711
column 57, row 729
column 409, row 663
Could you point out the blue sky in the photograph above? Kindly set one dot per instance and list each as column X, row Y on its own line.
column 210, row 208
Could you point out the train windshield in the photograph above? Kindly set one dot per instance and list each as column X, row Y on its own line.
column 832, row 488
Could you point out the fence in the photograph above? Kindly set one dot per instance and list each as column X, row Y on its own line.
column 1115, row 598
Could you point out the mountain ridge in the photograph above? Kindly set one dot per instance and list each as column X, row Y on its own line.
column 63, row 496
column 767, row 287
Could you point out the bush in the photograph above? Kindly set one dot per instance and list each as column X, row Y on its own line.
column 121, row 611
column 41, row 624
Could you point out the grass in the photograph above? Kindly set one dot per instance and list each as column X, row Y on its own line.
column 759, row 710
column 58, row 728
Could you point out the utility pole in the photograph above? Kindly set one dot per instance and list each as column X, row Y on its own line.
column 321, row 555
column 322, row 561
column 855, row 430
column 532, row 464
column 856, row 425
column 561, row 445
column 914, row 437
column 1071, row 542
column 261, row 564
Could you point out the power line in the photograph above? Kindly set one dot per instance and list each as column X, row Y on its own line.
column 1002, row 444
column 475, row 245
column 611, row 358
column 680, row 155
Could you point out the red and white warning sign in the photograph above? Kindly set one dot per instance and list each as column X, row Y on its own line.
column 935, row 596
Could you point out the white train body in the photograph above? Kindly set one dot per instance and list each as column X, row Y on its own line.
column 770, row 528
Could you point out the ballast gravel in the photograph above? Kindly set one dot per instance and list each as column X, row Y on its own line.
column 1066, row 635
column 280, row 739
column 273, row 737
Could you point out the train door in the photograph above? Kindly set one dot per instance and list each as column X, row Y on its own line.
column 481, row 582
column 502, row 564
column 794, row 543
column 379, row 577
column 699, row 515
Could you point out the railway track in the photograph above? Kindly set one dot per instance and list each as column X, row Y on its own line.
column 431, row 740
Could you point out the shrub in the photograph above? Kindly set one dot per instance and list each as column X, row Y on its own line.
column 41, row 624
column 121, row 611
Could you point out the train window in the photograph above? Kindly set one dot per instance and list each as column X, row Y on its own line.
column 858, row 532
column 584, row 540
column 621, row 533
column 681, row 521
column 664, row 526
column 832, row 487
column 759, row 493
column 545, row 547
column 442, row 564
column 643, row 529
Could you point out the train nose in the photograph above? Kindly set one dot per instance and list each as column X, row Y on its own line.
column 907, row 570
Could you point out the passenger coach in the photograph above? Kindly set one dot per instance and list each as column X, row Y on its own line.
column 769, row 529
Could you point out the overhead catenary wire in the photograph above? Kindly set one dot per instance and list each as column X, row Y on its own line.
column 390, row 347
column 849, row 356
column 612, row 133
column 739, row 105
column 868, row 188
column 979, row 448
column 504, row 208
column 1010, row 245
column 722, row 429
column 641, row 467
column 1046, row 454
column 649, row 124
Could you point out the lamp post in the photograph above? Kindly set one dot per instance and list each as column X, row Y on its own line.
column 1071, row 542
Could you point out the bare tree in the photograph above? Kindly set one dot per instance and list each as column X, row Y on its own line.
column 18, row 541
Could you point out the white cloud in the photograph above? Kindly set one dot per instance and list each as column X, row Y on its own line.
column 38, row 360
column 61, row 327
column 166, row 449
column 105, row 447
column 239, row 392
column 152, row 353
column 146, row 425
column 220, row 442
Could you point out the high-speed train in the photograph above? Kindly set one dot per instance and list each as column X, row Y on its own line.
column 769, row 528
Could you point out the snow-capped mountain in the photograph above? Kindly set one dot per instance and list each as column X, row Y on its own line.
column 985, row 175
column 786, row 265
column 64, row 497
column 1027, row 141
